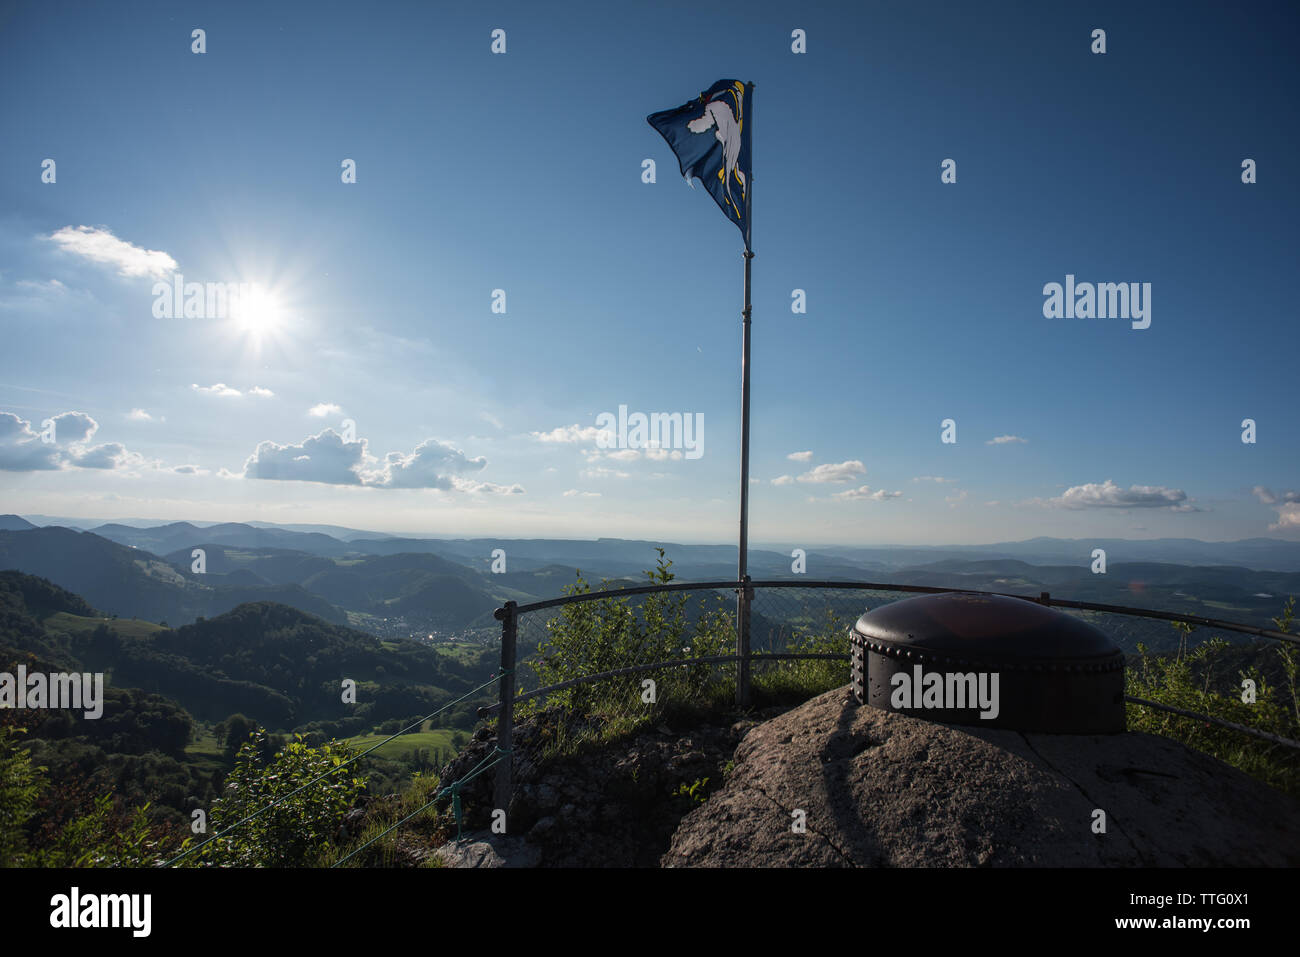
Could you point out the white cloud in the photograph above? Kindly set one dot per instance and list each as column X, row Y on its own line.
column 491, row 419
column 603, row 473
column 432, row 465
column 74, row 428
column 322, row 409
column 572, row 433
column 1109, row 495
column 23, row 450
column 257, row 390
column 939, row 480
column 1269, row 497
column 139, row 415
column 865, row 492
column 1288, row 517
column 800, row 456
column 1287, row 504
column 841, row 472
column 573, row 491
column 1005, row 439
column 327, row 459
column 112, row 456
column 324, row 458
column 659, row 455
column 464, row 485
column 191, row 470
column 783, row 480
column 101, row 246
column 219, row 388
column 956, row 498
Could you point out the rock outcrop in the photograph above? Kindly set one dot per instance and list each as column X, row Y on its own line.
column 880, row 789
column 611, row 805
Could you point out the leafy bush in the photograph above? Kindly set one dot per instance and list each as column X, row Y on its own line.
column 1194, row 680
column 295, row 832
column 607, row 634
column 20, row 786
column 811, row 677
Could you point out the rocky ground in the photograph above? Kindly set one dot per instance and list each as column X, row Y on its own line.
column 830, row 784
column 609, row 806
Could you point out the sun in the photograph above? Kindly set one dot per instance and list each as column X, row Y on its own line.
column 259, row 313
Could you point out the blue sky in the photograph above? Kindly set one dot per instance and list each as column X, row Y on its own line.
column 522, row 172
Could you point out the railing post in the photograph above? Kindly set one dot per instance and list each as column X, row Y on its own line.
column 509, row 619
column 743, row 595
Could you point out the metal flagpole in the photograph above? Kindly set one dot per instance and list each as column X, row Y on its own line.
column 743, row 593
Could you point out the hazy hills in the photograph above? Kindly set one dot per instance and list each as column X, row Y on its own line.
column 614, row 557
column 138, row 584
column 399, row 586
column 275, row 664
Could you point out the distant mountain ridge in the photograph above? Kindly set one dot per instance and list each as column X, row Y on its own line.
column 406, row 586
column 134, row 583
column 617, row 556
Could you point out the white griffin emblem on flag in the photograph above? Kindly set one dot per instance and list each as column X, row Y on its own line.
column 728, row 123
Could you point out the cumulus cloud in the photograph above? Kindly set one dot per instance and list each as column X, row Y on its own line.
column 1269, row 497
column 257, row 390
column 62, row 442
column 1288, row 517
column 190, row 470
column 322, row 458
column 433, row 464
column 573, row 491
column 219, row 388
column 1006, row 439
column 111, row 455
column 1287, row 504
column 783, row 480
column 572, row 433
column 139, row 415
column 658, row 455
column 800, row 456
column 840, row 472
column 21, row 449
column 99, row 245
column 74, row 428
column 322, row 409
column 327, row 459
column 1109, row 495
column 865, row 492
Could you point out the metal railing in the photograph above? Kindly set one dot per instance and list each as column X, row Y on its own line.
column 511, row 614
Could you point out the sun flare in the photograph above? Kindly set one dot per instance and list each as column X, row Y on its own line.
column 259, row 314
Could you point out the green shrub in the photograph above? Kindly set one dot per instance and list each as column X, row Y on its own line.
column 607, row 634
column 299, row 830
column 1187, row 680
column 20, row 785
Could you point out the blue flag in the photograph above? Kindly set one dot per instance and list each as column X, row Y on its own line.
column 710, row 136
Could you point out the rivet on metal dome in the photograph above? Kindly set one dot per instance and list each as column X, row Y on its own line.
column 990, row 661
